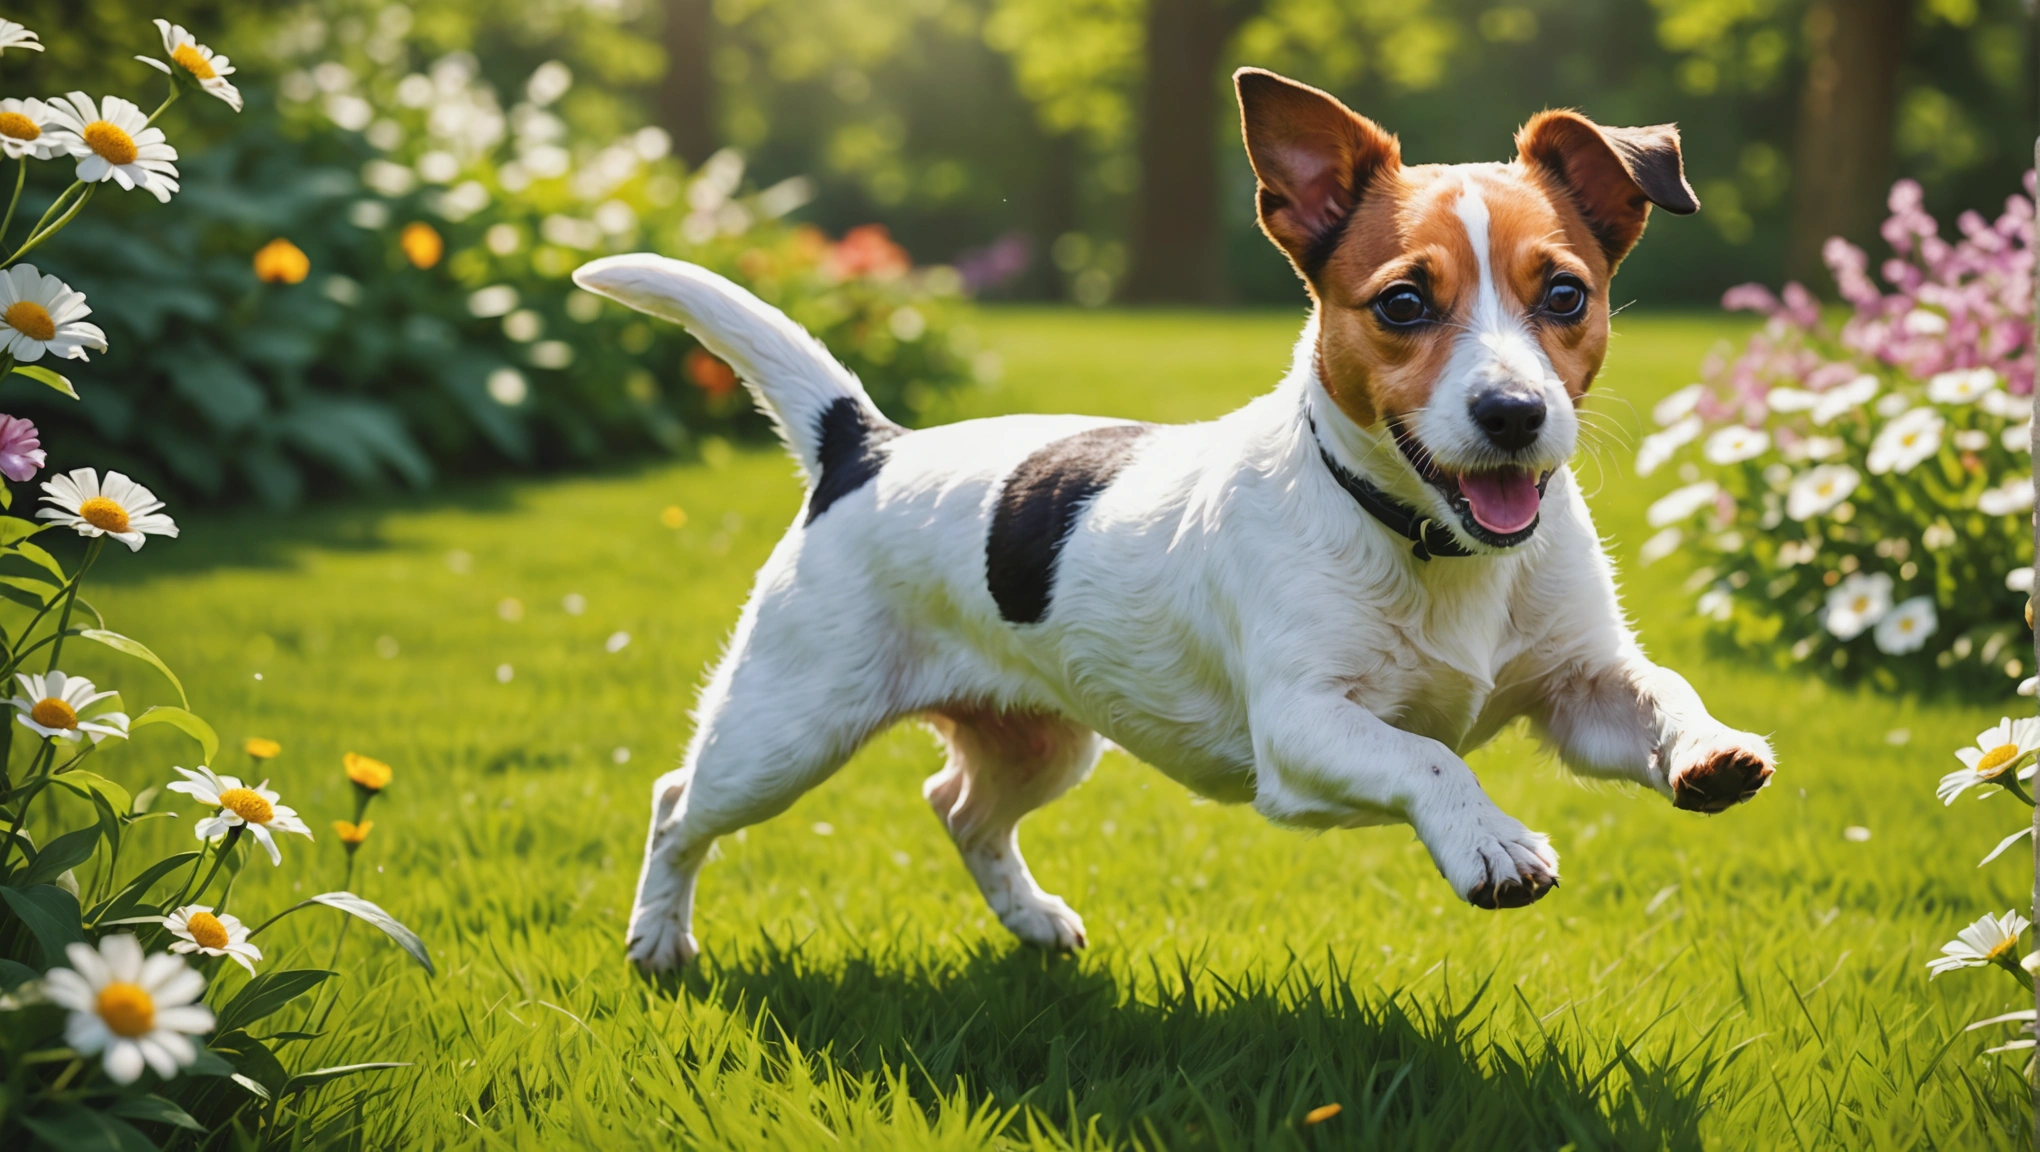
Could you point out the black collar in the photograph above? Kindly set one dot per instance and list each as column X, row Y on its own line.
column 1427, row 537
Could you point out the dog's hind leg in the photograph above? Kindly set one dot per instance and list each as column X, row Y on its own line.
column 794, row 698
column 1003, row 765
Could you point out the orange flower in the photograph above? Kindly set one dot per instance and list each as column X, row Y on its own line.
column 352, row 834
column 710, row 374
column 262, row 749
column 282, row 262
column 868, row 250
column 368, row 774
column 422, row 246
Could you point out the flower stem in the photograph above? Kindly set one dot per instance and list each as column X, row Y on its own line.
column 175, row 92
column 220, row 858
column 43, row 234
column 20, row 179
column 51, row 212
column 21, row 796
column 71, row 598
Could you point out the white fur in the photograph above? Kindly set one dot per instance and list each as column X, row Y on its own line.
column 1223, row 610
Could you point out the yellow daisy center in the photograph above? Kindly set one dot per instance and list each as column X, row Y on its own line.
column 18, row 127
column 2003, row 948
column 189, row 58
column 206, row 930
column 103, row 514
column 1994, row 761
column 111, row 142
column 248, row 804
column 54, row 713
column 31, row 320
column 127, row 1009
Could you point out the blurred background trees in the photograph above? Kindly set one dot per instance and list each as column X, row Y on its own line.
column 1080, row 150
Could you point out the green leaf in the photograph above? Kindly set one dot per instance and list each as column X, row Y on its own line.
column 154, row 1110
column 59, row 856
column 35, row 554
column 139, row 651
column 45, row 376
column 124, row 903
column 406, row 939
column 259, row 1070
column 267, row 993
column 76, row 1129
column 14, row 529
column 14, row 973
column 305, row 1080
column 51, row 915
column 40, row 592
column 210, row 1063
column 25, row 599
column 87, row 783
column 186, row 722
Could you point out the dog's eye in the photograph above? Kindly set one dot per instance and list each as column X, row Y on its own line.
column 1566, row 298
column 1401, row 306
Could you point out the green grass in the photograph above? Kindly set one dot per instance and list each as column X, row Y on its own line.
column 1748, row 981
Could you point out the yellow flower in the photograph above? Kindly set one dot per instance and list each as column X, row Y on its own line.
column 368, row 774
column 422, row 246
column 352, row 834
column 282, row 262
column 262, row 749
column 674, row 516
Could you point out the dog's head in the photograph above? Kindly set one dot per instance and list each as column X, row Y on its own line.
column 1461, row 308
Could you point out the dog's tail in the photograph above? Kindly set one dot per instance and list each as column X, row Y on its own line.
column 809, row 396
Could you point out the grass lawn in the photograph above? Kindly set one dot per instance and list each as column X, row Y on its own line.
column 1754, row 980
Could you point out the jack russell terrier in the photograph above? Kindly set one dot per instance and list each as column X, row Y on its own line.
column 1315, row 605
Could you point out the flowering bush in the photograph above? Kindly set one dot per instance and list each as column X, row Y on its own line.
column 121, row 1021
column 371, row 283
column 1856, row 493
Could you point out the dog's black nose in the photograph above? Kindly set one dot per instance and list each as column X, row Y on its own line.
column 1510, row 417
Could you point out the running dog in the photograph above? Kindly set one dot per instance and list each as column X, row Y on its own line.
column 1315, row 605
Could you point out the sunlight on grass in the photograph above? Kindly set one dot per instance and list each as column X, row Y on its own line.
column 1751, row 980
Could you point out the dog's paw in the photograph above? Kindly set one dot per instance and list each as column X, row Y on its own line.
column 659, row 943
column 1499, row 864
column 1717, row 773
column 1047, row 922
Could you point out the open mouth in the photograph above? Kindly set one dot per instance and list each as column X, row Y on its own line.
column 1496, row 506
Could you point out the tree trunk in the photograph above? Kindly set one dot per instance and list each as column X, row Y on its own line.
column 1842, row 169
column 1178, row 240
column 687, row 93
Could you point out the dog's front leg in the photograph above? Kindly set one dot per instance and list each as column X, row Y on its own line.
column 1626, row 718
column 1323, row 761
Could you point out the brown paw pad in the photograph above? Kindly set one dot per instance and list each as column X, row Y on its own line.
column 1716, row 785
column 1513, row 892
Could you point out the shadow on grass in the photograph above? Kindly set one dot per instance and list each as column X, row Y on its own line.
column 1206, row 1062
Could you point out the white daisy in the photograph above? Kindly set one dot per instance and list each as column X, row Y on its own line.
column 1963, row 386
column 1845, row 398
column 41, row 314
column 1859, row 601
column 1659, row 446
column 1681, row 503
column 197, row 61
column 54, row 706
column 119, row 507
column 1816, row 491
column 1991, row 940
column 239, row 805
column 2001, row 748
column 2015, row 495
column 200, row 929
column 1678, row 405
column 1907, row 440
column 1790, row 400
column 113, row 140
column 139, row 1011
column 13, row 35
column 25, row 130
column 1736, row 443
column 1906, row 627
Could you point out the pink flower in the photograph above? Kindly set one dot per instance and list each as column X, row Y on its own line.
column 21, row 454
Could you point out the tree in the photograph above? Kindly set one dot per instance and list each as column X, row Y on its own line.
column 687, row 91
column 1178, row 238
column 1848, row 104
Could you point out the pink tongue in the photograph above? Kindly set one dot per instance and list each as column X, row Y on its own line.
column 1504, row 501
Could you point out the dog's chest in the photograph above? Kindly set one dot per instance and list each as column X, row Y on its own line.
column 1433, row 671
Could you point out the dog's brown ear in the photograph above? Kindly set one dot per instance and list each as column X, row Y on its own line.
column 1312, row 156
column 1613, row 174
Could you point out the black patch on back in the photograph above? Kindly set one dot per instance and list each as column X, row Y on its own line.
column 853, row 439
column 1038, row 507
